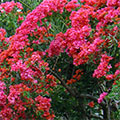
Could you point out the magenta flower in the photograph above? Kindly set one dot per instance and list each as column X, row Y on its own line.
column 102, row 96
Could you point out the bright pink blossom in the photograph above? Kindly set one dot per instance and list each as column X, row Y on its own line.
column 72, row 5
column 2, row 86
column 103, row 67
column 3, row 98
column 102, row 96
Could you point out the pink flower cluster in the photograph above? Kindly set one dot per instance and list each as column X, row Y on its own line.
column 98, row 3
column 3, row 97
column 2, row 86
column 95, row 3
column 103, row 67
column 102, row 96
column 20, row 18
column 72, row 5
column 2, row 34
column 56, row 45
column 26, row 73
column 6, row 113
column 113, row 3
column 14, row 96
column 106, row 15
column 115, row 76
column 43, row 103
column 13, row 100
column 50, row 81
column 8, row 6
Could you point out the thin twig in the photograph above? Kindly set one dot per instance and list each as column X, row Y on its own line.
column 74, row 92
column 55, row 62
column 63, row 83
column 95, row 116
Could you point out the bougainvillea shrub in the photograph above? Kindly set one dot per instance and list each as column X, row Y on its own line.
column 11, row 16
column 60, row 60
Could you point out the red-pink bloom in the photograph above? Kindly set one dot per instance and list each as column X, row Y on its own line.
column 102, row 96
column 103, row 67
column 19, row 5
column 91, row 104
column 8, row 6
column 117, row 72
column 56, row 45
column 109, row 77
column 3, row 98
column 14, row 96
column 113, row 3
column 6, row 113
column 2, row 86
column 100, row 100
column 72, row 5
column 2, row 34
column 43, row 104
column 20, row 18
column 36, row 42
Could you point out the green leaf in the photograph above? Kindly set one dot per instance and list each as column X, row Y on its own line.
column 26, row 93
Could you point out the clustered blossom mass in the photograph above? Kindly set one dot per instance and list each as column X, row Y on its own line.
column 100, row 99
column 25, row 68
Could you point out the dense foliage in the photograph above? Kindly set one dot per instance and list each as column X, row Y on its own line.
column 60, row 60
